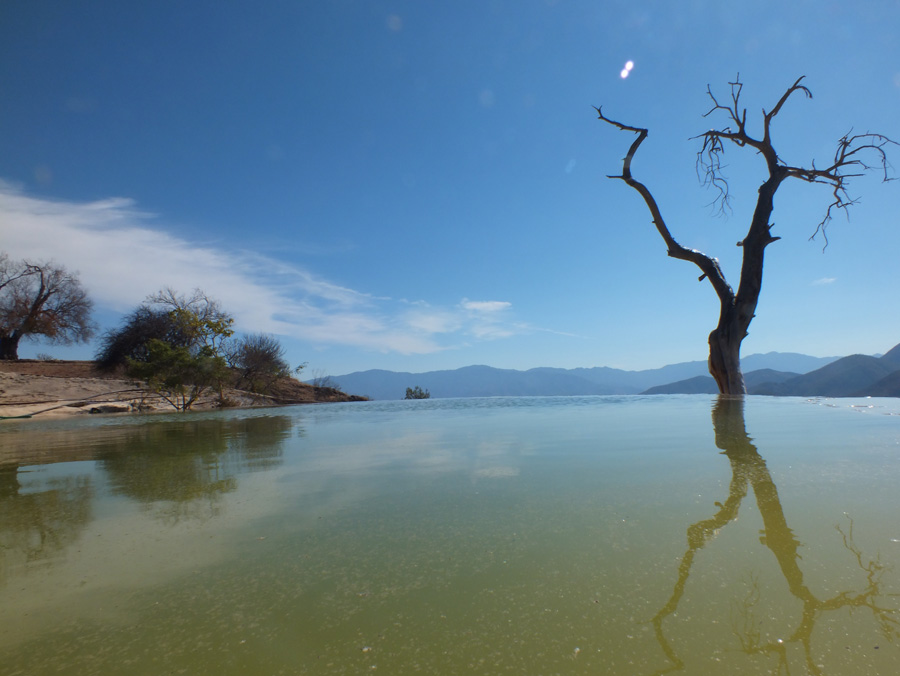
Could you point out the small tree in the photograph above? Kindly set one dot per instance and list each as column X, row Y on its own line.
column 129, row 341
column 417, row 393
column 174, row 343
column 321, row 381
column 258, row 362
column 178, row 375
column 181, row 321
column 855, row 154
column 41, row 299
column 198, row 317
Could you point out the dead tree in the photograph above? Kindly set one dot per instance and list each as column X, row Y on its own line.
column 41, row 299
column 855, row 154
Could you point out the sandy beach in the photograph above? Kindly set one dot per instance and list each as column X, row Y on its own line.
column 53, row 389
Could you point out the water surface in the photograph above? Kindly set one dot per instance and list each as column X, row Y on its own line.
column 605, row 535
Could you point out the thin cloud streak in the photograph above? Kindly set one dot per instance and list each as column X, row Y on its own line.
column 123, row 254
column 487, row 319
column 485, row 306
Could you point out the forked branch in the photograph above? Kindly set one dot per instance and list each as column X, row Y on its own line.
column 855, row 155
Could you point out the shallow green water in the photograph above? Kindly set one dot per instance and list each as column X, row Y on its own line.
column 595, row 535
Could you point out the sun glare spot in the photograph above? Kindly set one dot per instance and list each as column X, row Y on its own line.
column 627, row 69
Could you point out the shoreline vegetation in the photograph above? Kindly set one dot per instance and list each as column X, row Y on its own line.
column 43, row 389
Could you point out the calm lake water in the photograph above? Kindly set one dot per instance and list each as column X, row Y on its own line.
column 595, row 535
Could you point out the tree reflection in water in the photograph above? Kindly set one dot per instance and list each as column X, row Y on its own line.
column 37, row 527
column 176, row 471
column 180, row 471
column 749, row 471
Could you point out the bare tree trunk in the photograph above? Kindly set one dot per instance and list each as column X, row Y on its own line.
column 738, row 310
column 9, row 347
column 725, row 357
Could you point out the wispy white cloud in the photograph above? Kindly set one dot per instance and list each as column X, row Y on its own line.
column 434, row 320
column 824, row 280
column 487, row 319
column 485, row 306
column 124, row 254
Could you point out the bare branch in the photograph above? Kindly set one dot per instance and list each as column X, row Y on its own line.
column 855, row 155
column 709, row 164
column 10, row 272
column 768, row 117
column 710, row 172
column 851, row 160
column 709, row 266
column 732, row 110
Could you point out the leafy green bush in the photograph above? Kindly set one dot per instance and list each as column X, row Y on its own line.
column 178, row 375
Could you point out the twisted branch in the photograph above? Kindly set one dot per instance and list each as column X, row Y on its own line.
column 709, row 266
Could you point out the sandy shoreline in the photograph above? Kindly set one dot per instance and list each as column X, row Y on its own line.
column 55, row 389
column 53, row 397
column 22, row 394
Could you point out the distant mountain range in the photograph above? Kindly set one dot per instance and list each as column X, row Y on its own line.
column 858, row 375
column 775, row 373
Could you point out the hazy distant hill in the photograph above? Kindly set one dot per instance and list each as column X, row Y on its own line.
column 845, row 377
column 892, row 356
column 889, row 386
column 856, row 375
column 486, row 381
column 706, row 384
column 695, row 385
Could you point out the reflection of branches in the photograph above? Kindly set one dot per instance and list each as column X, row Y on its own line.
column 748, row 467
column 747, row 630
column 180, row 471
column 698, row 535
column 37, row 526
column 887, row 623
column 177, row 471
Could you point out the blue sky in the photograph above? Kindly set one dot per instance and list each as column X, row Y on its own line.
column 416, row 185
